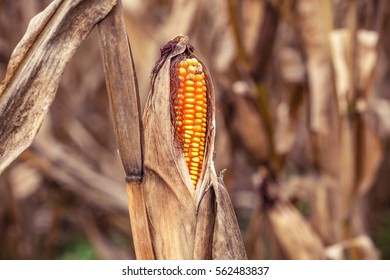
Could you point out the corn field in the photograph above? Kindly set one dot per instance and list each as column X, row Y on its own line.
column 290, row 161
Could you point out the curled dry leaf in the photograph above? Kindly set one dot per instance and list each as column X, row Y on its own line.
column 190, row 216
column 36, row 66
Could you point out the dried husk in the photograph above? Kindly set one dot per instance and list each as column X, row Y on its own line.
column 296, row 237
column 278, row 228
column 185, row 223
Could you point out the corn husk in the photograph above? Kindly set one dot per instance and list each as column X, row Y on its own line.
column 184, row 223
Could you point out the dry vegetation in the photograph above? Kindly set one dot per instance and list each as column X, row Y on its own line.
column 302, row 130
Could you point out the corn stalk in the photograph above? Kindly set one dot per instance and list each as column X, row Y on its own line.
column 171, row 217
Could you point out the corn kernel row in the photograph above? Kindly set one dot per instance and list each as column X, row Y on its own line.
column 191, row 114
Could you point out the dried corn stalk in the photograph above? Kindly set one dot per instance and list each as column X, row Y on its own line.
column 186, row 217
column 301, row 242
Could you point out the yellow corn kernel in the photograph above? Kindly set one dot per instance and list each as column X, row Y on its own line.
column 198, row 128
column 190, row 95
column 190, row 107
column 189, row 89
column 188, row 111
column 188, row 122
column 189, row 127
column 182, row 72
column 195, row 159
column 194, row 154
column 190, row 101
column 194, row 172
column 198, row 108
column 190, row 83
column 191, row 69
column 194, row 165
column 198, row 135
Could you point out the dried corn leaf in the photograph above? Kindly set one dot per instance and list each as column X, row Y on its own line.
column 371, row 153
column 368, row 147
column 253, row 12
column 377, row 114
column 35, row 68
column 252, row 136
column 291, row 66
column 367, row 42
column 341, row 53
column 310, row 18
column 325, row 215
column 54, row 161
column 339, row 42
column 294, row 234
column 284, row 132
column 227, row 240
column 371, row 147
column 362, row 244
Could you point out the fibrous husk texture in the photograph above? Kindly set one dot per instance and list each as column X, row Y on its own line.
column 184, row 222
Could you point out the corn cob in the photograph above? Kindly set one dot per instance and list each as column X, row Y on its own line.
column 190, row 107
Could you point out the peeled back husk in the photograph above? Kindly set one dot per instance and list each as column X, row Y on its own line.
column 184, row 222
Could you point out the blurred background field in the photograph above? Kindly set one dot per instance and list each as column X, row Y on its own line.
column 303, row 126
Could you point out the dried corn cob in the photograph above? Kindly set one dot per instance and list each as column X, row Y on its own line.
column 190, row 114
column 190, row 218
